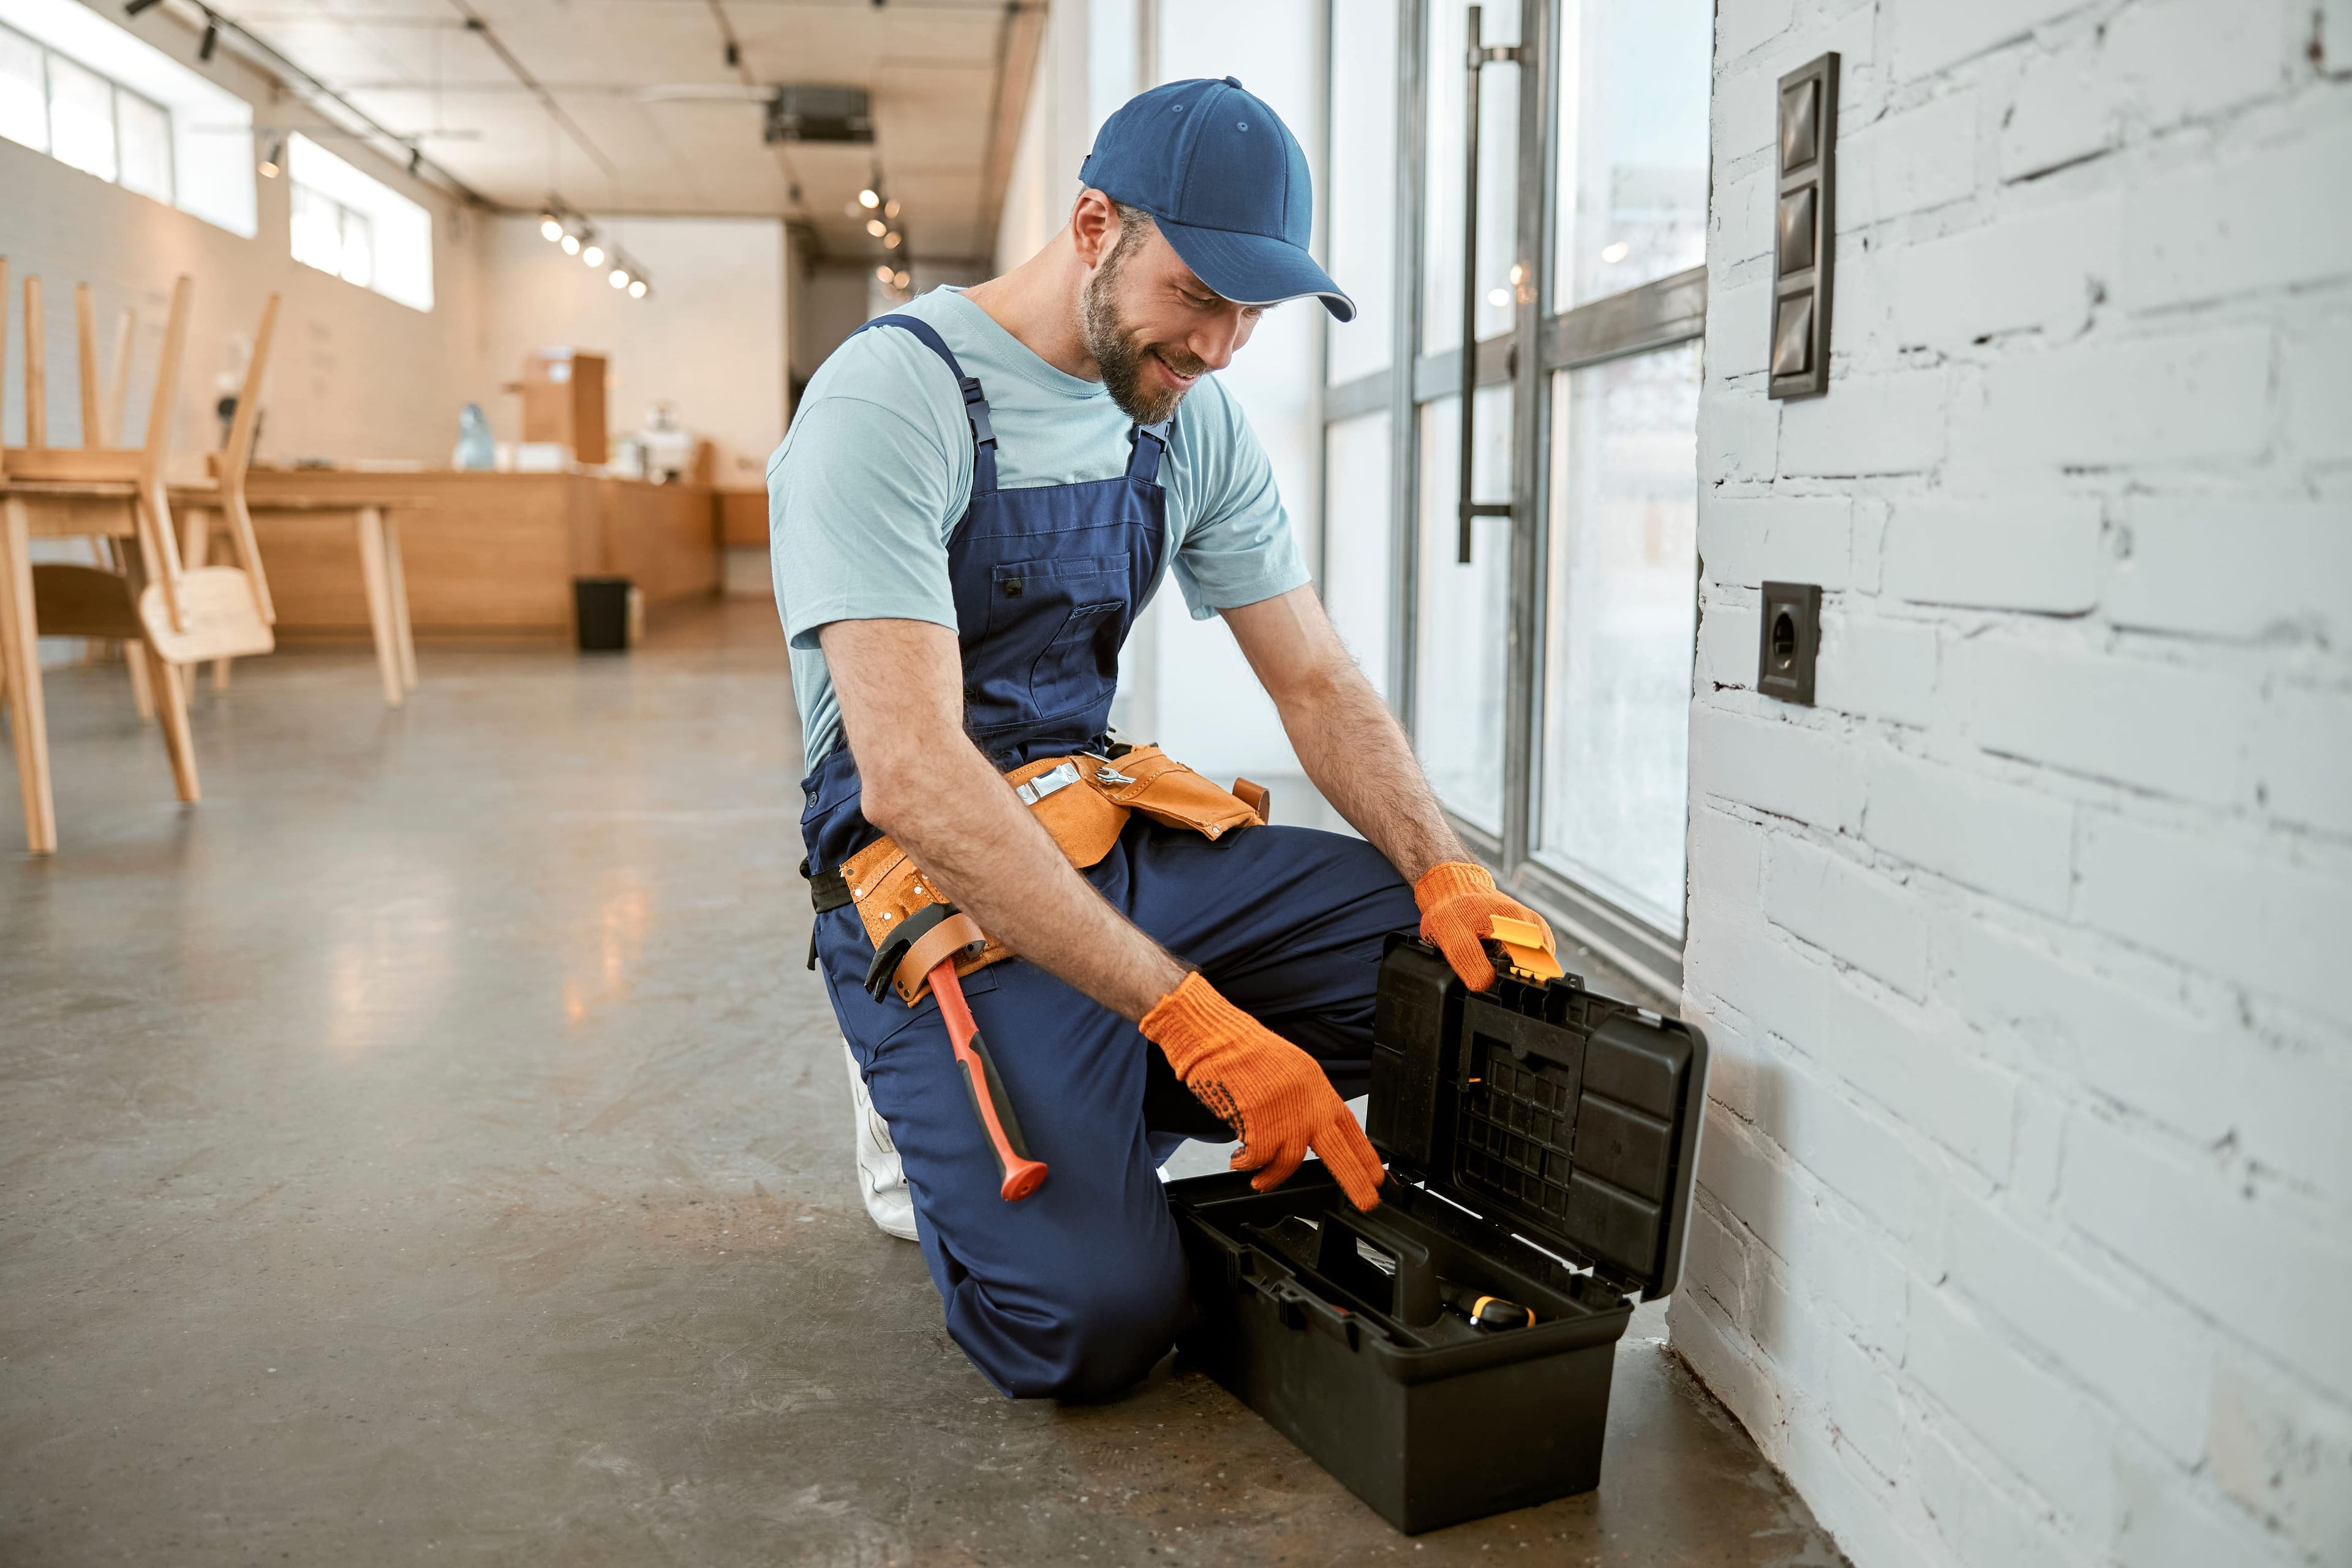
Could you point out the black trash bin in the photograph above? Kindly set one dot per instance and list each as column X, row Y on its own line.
column 599, row 608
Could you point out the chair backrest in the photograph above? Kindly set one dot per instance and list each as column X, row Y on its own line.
column 36, row 376
column 126, row 333
column 158, row 448
column 242, row 429
column 4, row 353
column 93, row 429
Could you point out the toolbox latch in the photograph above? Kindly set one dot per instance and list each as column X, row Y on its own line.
column 1298, row 1308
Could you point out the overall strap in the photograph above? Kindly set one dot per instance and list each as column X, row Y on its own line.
column 975, row 404
column 1150, row 443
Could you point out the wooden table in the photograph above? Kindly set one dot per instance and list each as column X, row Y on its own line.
column 493, row 555
column 375, row 517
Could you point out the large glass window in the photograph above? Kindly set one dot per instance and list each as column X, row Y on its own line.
column 1618, row 643
column 1357, row 577
column 1632, row 202
column 357, row 227
column 1362, row 187
column 1463, row 610
column 81, row 88
column 1498, row 189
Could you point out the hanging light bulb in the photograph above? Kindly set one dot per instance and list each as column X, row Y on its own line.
column 594, row 255
column 571, row 244
column 274, row 159
column 550, row 225
column 636, row 288
column 877, row 227
column 891, row 208
column 902, row 279
column 892, row 240
column 620, row 278
column 869, row 198
column 883, row 272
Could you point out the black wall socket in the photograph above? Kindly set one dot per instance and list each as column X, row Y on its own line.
column 1791, row 638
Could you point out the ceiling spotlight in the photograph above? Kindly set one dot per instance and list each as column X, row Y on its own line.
column 274, row 159
column 892, row 240
column 636, row 288
column 211, row 40
column 877, row 227
column 620, row 278
column 891, row 208
column 135, row 6
column 593, row 254
column 550, row 225
column 868, row 198
column 571, row 244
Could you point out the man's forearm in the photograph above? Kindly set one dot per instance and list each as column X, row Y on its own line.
column 972, row 835
column 1356, row 754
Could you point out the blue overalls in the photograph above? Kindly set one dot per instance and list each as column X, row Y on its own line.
column 1077, row 1290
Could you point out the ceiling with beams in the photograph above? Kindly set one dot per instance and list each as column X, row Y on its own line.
column 657, row 120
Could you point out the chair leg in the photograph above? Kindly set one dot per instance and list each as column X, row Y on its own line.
column 143, row 691
column 28, row 723
column 379, row 603
column 172, row 707
column 220, row 673
column 397, row 578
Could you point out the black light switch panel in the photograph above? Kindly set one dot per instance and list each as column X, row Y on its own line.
column 1791, row 638
column 1805, row 230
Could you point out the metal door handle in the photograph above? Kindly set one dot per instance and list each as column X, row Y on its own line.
column 1479, row 55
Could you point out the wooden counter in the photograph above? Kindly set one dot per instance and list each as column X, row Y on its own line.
column 491, row 554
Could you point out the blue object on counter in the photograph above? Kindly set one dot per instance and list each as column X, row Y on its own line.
column 475, row 448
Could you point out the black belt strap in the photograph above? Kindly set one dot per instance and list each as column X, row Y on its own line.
column 828, row 889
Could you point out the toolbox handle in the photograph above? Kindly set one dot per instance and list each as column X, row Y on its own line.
column 1296, row 1307
column 1415, row 1301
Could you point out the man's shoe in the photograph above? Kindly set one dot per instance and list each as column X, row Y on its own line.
column 881, row 1178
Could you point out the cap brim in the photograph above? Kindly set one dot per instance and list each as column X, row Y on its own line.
column 1254, row 269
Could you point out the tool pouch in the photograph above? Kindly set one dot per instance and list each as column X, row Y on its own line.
column 1148, row 780
column 1083, row 803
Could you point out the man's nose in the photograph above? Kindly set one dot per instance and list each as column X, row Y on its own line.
column 1213, row 344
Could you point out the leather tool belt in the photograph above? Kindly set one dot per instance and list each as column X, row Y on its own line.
column 1083, row 801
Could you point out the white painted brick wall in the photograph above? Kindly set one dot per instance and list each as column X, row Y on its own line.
column 2024, row 1228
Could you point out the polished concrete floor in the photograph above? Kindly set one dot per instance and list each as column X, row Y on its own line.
column 431, row 1149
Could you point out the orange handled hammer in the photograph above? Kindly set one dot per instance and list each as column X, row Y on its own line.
column 918, row 942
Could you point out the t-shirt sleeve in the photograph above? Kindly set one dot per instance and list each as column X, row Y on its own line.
column 1238, row 547
column 858, row 503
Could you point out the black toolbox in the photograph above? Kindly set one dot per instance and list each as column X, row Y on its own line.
column 1541, row 1142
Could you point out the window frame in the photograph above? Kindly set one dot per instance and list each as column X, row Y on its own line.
column 116, row 93
column 1543, row 339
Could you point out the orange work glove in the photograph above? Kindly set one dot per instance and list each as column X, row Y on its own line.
column 1270, row 1092
column 1458, row 905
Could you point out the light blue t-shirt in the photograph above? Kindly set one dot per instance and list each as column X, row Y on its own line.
column 875, row 472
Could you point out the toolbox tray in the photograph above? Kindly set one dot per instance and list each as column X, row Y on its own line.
column 1541, row 1142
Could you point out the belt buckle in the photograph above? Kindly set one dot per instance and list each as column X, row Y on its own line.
column 1048, row 783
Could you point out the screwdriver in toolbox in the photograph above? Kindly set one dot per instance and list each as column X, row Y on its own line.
column 1483, row 1311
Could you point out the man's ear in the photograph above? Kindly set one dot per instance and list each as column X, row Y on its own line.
column 1094, row 227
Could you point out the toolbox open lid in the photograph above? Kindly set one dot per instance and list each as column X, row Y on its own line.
column 1569, row 1118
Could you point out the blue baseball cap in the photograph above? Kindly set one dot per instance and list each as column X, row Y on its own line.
column 1224, row 178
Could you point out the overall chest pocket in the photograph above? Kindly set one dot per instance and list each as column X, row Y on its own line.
column 1055, row 626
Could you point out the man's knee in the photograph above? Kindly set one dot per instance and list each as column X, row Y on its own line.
column 1089, row 1334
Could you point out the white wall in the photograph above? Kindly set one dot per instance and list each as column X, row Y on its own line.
column 709, row 338
column 351, row 373
column 2025, row 1224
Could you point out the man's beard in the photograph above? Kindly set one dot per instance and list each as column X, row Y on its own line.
column 1122, row 355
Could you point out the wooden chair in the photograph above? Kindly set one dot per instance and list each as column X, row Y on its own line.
column 173, row 615
column 219, row 502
